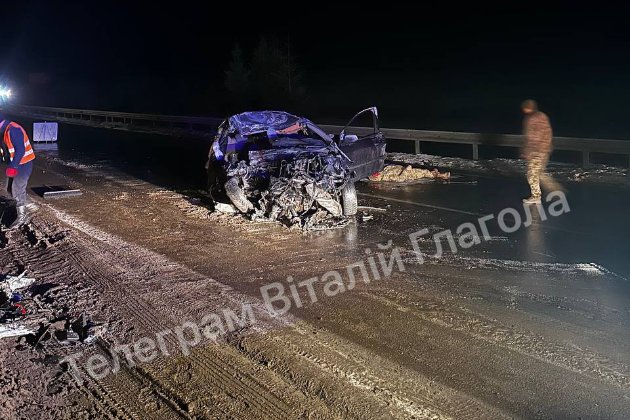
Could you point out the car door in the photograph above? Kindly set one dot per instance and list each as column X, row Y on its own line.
column 363, row 142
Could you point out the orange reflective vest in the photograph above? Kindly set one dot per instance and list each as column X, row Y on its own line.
column 29, row 154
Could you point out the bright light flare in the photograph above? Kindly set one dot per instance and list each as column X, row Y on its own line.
column 5, row 93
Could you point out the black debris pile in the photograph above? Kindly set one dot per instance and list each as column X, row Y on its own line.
column 44, row 314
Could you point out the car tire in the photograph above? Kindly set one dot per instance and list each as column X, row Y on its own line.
column 237, row 196
column 349, row 199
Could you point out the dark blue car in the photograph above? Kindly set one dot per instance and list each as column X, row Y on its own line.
column 282, row 166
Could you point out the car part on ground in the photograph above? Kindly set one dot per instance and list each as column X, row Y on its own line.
column 276, row 166
column 62, row 194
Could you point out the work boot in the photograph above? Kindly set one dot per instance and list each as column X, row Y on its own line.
column 23, row 217
column 32, row 207
column 532, row 200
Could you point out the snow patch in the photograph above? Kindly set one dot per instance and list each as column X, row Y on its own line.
column 590, row 268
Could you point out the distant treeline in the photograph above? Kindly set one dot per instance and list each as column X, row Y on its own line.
column 266, row 77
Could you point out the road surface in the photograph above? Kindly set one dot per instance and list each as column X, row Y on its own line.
column 532, row 324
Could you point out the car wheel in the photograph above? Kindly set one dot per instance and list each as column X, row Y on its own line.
column 349, row 199
column 216, row 179
column 237, row 196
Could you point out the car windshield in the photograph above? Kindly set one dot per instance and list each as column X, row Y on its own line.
column 248, row 123
column 303, row 137
column 275, row 129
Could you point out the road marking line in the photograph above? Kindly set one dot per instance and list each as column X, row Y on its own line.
column 421, row 204
column 470, row 213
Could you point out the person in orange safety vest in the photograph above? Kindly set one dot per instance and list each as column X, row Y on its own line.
column 18, row 153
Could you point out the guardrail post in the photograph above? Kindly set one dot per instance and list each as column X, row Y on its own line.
column 475, row 147
column 417, row 147
column 586, row 158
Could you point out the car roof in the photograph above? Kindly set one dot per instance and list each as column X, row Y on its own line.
column 258, row 121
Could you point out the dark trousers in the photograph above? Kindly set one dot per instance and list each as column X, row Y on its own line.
column 17, row 186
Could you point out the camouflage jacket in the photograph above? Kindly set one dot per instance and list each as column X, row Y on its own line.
column 538, row 134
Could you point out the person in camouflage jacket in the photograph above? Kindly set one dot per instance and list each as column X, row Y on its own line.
column 537, row 146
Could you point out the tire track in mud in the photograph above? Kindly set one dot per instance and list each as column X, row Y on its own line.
column 139, row 379
column 142, row 311
column 58, row 266
column 101, row 402
column 381, row 384
column 358, row 382
column 73, row 262
column 216, row 369
column 108, row 400
column 404, row 393
column 106, row 238
column 415, row 407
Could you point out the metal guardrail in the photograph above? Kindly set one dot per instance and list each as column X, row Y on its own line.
column 205, row 127
column 146, row 123
column 582, row 145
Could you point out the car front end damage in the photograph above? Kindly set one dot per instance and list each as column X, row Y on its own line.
column 278, row 167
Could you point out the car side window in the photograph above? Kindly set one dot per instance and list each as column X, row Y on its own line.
column 360, row 127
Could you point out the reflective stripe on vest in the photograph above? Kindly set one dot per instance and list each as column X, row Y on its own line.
column 29, row 154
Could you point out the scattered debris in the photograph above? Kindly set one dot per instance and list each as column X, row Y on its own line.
column 399, row 173
column 41, row 313
column 13, row 306
column 11, row 284
column 225, row 208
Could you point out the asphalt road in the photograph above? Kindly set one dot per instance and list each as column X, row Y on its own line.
column 531, row 324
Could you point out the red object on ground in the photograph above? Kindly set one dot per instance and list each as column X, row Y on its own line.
column 11, row 172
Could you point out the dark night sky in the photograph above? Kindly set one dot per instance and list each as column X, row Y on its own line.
column 449, row 69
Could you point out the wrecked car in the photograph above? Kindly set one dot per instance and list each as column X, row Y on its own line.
column 278, row 166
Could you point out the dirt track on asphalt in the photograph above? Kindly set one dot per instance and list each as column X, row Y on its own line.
column 454, row 339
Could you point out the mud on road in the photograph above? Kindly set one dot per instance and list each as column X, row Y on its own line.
column 465, row 337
